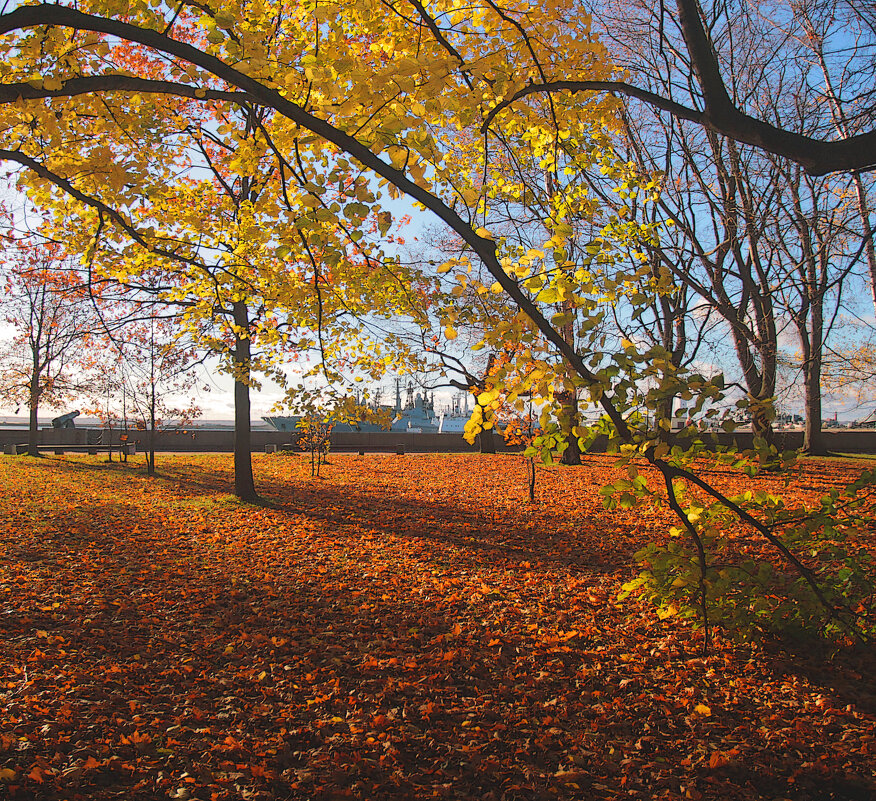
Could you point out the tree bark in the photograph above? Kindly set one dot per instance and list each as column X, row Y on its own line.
column 761, row 384
column 812, row 342
column 568, row 421
column 762, row 418
column 813, row 436
column 150, row 453
column 244, row 485
column 33, row 422
column 487, row 441
column 663, row 412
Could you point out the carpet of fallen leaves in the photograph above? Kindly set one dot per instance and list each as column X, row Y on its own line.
column 403, row 627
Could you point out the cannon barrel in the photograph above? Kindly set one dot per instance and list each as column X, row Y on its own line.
column 65, row 420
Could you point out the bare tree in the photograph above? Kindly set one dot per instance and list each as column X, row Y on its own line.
column 151, row 376
column 51, row 320
column 759, row 240
column 811, row 234
column 716, row 198
column 817, row 38
column 698, row 38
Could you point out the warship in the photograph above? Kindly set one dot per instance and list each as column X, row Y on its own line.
column 415, row 416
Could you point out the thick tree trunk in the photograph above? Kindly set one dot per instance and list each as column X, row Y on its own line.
column 568, row 421
column 487, row 441
column 760, row 380
column 663, row 412
column 761, row 419
column 572, row 454
column 33, row 425
column 244, row 485
column 813, row 437
column 568, row 400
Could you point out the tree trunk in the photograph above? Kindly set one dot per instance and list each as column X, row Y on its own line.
column 568, row 421
column 33, row 423
column 487, row 440
column 663, row 411
column 761, row 419
column 760, row 380
column 244, row 485
column 813, row 349
column 572, row 454
column 150, row 452
column 813, row 437
column 568, row 400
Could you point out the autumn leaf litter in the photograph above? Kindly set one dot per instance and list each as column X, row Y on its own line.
column 404, row 627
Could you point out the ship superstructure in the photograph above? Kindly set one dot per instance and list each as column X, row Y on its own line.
column 416, row 415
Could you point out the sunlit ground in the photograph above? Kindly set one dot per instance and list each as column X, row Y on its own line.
column 402, row 627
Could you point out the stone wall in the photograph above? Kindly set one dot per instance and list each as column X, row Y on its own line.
column 222, row 440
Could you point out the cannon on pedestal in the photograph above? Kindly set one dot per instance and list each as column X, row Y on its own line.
column 65, row 420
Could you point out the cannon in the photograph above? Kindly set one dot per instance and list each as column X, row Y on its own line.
column 65, row 420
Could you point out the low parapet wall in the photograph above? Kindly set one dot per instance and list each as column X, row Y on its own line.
column 222, row 440
column 836, row 440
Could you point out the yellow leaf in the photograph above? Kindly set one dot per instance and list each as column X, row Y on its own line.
column 450, row 332
column 7, row 775
column 398, row 156
column 702, row 709
column 470, row 196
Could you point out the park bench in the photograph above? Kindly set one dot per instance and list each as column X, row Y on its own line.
column 398, row 448
column 360, row 449
column 124, row 448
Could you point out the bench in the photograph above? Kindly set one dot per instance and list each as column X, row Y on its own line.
column 398, row 449
column 125, row 448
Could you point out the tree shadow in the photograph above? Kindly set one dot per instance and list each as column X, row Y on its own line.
column 535, row 535
column 848, row 675
column 163, row 616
